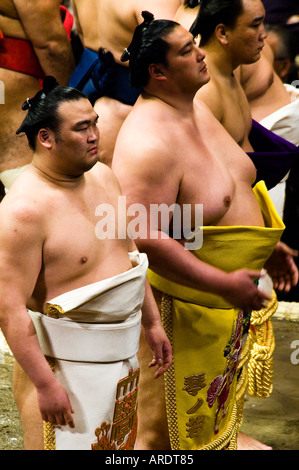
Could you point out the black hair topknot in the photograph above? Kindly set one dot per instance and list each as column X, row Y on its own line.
column 148, row 18
column 49, row 84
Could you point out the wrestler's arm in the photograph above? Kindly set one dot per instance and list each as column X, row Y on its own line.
column 151, row 320
column 146, row 184
column 282, row 267
column 43, row 26
column 20, row 264
column 155, row 334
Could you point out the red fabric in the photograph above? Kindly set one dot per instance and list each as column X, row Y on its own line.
column 67, row 20
column 19, row 55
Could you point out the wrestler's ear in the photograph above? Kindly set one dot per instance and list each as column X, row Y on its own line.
column 156, row 72
column 221, row 34
column 44, row 136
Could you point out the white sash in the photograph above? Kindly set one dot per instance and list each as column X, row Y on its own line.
column 95, row 359
column 96, row 319
column 285, row 123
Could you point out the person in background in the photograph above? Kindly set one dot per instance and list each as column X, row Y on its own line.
column 276, row 104
column 105, row 27
column 34, row 42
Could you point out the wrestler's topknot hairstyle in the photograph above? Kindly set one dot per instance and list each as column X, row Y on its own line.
column 148, row 46
column 213, row 12
column 43, row 109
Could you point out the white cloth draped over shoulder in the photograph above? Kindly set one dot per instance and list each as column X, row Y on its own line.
column 285, row 123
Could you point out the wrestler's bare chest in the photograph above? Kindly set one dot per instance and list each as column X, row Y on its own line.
column 236, row 114
column 74, row 253
column 216, row 174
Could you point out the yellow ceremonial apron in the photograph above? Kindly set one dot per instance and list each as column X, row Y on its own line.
column 206, row 333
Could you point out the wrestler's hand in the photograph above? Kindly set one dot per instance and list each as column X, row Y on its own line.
column 282, row 268
column 160, row 345
column 242, row 292
column 54, row 404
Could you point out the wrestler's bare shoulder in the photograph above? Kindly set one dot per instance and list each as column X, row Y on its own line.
column 101, row 173
column 37, row 196
column 211, row 95
column 104, row 178
column 22, row 214
column 26, row 195
column 149, row 134
column 153, row 116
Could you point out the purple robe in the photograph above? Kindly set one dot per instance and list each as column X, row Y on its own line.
column 273, row 156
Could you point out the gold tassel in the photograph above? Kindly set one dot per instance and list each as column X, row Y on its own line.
column 260, row 366
column 52, row 311
column 49, row 429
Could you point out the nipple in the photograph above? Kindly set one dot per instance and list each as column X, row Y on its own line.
column 227, row 201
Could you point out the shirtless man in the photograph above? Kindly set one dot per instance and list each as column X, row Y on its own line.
column 110, row 24
column 263, row 87
column 49, row 247
column 231, row 58
column 243, row 82
column 185, row 164
column 227, row 44
column 39, row 23
column 280, row 40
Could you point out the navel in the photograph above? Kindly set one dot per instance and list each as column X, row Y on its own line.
column 83, row 260
column 227, row 201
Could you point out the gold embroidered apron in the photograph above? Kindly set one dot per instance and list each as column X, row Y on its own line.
column 204, row 384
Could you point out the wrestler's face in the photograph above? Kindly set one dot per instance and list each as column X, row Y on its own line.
column 78, row 136
column 186, row 68
column 246, row 39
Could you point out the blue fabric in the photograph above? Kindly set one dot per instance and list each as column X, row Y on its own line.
column 97, row 74
column 273, row 156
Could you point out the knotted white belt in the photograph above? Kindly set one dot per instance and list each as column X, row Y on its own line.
column 99, row 322
column 87, row 342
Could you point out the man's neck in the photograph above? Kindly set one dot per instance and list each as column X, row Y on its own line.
column 178, row 102
column 55, row 177
column 218, row 60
